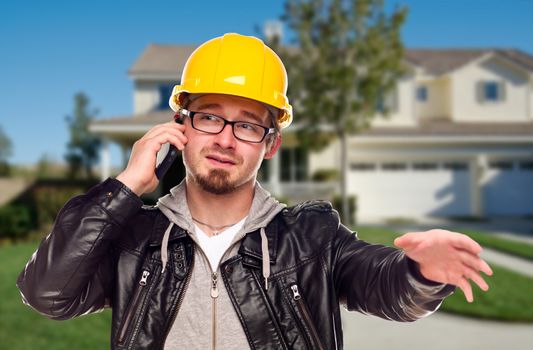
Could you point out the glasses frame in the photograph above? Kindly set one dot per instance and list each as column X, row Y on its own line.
column 191, row 114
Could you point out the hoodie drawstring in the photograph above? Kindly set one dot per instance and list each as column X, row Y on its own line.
column 266, row 257
column 164, row 246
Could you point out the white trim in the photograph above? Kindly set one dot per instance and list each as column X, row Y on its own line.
column 121, row 129
column 439, row 139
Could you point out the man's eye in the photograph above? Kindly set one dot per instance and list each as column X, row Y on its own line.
column 248, row 127
column 209, row 118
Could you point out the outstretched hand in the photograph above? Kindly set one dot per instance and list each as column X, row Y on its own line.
column 446, row 257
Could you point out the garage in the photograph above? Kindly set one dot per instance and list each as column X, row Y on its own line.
column 508, row 187
column 418, row 189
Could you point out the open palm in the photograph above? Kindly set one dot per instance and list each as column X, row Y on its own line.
column 446, row 257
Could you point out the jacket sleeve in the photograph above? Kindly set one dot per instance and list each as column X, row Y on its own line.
column 72, row 271
column 382, row 281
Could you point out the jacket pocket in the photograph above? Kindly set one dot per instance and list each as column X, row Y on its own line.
column 135, row 307
column 305, row 317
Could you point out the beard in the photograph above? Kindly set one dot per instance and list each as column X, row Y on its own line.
column 216, row 181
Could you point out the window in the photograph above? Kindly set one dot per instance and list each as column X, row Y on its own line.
column 165, row 90
column 526, row 165
column 362, row 166
column 501, row 165
column 387, row 103
column 425, row 166
column 422, row 93
column 491, row 91
column 264, row 171
column 456, row 166
column 394, row 166
column 293, row 165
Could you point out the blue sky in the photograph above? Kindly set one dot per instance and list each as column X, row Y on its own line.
column 49, row 50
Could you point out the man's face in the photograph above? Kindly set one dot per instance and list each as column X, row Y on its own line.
column 221, row 163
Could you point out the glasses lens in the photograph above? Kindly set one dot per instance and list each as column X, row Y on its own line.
column 248, row 131
column 208, row 123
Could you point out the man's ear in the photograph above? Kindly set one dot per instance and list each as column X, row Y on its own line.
column 273, row 147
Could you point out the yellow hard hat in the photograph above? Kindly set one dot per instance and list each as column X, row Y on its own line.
column 237, row 65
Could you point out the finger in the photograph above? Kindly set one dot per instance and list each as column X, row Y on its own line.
column 485, row 267
column 476, row 277
column 182, row 138
column 407, row 240
column 160, row 128
column 474, row 261
column 466, row 243
column 157, row 142
column 466, row 288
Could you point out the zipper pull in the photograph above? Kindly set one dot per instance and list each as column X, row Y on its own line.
column 144, row 278
column 214, row 288
column 295, row 293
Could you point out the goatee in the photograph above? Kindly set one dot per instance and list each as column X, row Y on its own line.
column 216, row 182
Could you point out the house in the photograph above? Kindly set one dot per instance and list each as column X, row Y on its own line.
column 458, row 142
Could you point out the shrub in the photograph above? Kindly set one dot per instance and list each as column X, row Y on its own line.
column 322, row 175
column 352, row 207
column 15, row 221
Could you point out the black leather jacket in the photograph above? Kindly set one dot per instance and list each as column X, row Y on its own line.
column 104, row 252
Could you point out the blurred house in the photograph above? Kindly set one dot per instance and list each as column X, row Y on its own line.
column 458, row 142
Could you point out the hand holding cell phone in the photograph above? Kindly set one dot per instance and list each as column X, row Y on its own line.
column 140, row 173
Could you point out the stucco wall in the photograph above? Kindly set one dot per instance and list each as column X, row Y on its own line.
column 403, row 114
column 438, row 101
column 145, row 96
column 467, row 106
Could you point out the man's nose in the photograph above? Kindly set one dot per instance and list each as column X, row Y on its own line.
column 225, row 138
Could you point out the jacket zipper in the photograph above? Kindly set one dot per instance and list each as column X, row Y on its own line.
column 181, row 297
column 133, row 306
column 214, row 296
column 297, row 297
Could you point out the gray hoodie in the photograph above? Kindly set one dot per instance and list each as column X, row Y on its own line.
column 206, row 318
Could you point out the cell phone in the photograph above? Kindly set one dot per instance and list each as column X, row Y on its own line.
column 167, row 154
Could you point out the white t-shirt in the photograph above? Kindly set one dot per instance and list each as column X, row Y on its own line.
column 215, row 246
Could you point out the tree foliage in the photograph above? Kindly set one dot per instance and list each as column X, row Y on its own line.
column 347, row 58
column 83, row 147
column 6, row 151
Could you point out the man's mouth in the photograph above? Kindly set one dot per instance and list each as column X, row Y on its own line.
column 216, row 159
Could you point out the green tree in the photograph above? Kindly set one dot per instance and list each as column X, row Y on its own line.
column 83, row 147
column 347, row 60
column 6, row 151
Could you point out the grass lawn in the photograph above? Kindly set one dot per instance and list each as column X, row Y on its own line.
column 21, row 328
column 509, row 297
column 521, row 249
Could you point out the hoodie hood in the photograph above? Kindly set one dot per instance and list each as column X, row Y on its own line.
column 263, row 209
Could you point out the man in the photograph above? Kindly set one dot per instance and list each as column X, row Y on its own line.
column 218, row 263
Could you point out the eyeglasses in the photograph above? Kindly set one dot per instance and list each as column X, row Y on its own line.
column 213, row 124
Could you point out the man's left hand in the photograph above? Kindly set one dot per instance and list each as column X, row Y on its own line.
column 446, row 257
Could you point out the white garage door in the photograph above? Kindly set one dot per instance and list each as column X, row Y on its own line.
column 410, row 189
column 508, row 188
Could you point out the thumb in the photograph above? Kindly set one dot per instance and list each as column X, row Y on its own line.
column 405, row 241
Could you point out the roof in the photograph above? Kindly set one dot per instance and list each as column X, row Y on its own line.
column 162, row 59
column 170, row 59
column 442, row 61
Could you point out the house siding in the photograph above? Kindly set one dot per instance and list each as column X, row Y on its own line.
column 468, row 107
